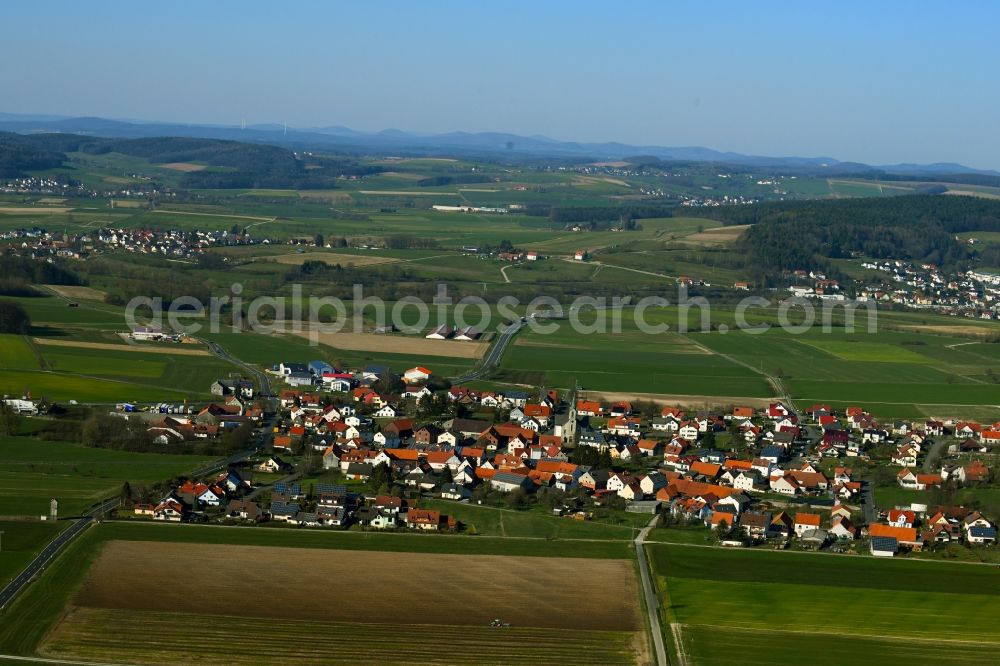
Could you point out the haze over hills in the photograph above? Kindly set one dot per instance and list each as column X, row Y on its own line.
column 336, row 137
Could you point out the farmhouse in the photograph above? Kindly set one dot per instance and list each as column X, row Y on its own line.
column 416, row 374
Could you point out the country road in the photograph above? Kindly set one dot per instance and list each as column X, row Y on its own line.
column 493, row 355
column 649, row 592
column 38, row 564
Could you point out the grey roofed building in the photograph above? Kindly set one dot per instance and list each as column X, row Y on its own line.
column 362, row 470
column 592, row 438
column 755, row 519
column 468, row 427
column 882, row 544
column 983, row 532
column 643, row 506
column 455, row 491
column 288, row 488
column 772, row 453
column 284, row 509
column 815, row 538
column 784, row 437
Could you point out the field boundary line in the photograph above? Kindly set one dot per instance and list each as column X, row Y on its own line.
column 119, row 521
column 51, row 660
column 233, row 215
column 924, row 560
column 886, row 637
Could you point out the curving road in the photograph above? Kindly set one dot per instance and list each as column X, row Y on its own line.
column 493, row 355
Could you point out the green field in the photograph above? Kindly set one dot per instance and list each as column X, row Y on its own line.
column 629, row 361
column 786, row 599
column 537, row 523
column 33, row 471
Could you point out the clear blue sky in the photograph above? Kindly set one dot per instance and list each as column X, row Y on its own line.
column 877, row 82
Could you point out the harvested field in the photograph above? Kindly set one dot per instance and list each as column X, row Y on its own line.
column 33, row 210
column 408, row 193
column 109, row 346
column 310, row 584
column 178, row 638
column 686, row 401
column 973, row 193
column 186, row 167
column 83, row 293
column 718, row 236
column 948, row 329
column 398, row 344
column 331, row 258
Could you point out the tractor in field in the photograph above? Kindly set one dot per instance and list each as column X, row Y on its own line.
column 499, row 624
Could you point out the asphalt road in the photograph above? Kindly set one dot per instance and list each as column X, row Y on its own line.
column 37, row 565
column 263, row 381
column 493, row 355
column 652, row 603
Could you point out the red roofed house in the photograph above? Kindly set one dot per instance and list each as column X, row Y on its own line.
column 805, row 522
column 416, row 374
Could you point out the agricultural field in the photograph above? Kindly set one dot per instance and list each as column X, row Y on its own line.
column 34, row 471
column 720, row 600
column 629, row 361
column 79, row 354
column 893, row 373
column 66, row 613
column 537, row 523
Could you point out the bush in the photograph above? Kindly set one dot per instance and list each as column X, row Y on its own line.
column 13, row 318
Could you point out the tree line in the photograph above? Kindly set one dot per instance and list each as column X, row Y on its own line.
column 790, row 235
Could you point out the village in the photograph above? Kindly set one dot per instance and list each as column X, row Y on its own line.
column 365, row 449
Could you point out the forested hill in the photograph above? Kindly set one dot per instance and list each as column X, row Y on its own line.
column 788, row 235
column 240, row 164
column 19, row 154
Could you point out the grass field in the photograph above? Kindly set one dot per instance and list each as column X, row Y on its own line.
column 33, row 471
column 71, row 356
column 794, row 600
column 537, row 523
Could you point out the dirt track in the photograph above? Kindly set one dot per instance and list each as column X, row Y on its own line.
column 319, row 584
column 84, row 293
column 297, row 259
column 717, row 236
column 110, row 346
column 186, row 167
column 688, row 401
column 50, row 210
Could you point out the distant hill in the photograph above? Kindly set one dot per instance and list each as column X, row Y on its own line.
column 393, row 141
column 239, row 164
